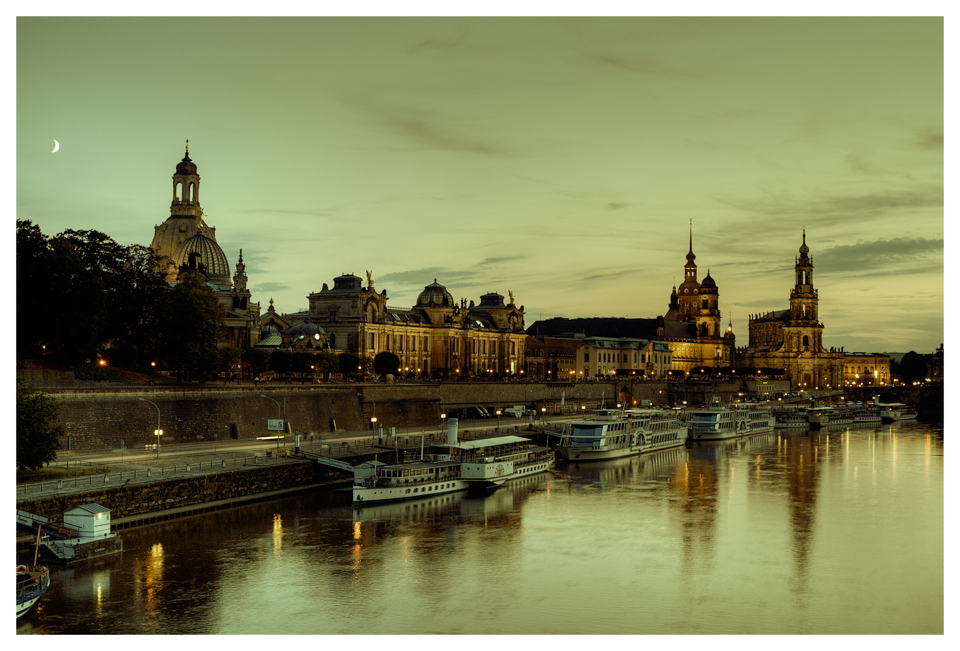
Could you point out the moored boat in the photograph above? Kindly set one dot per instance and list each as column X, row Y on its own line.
column 895, row 411
column 32, row 582
column 791, row 419
column 823, row 417
column 718, row 421
column 866, row 414
column 614, row 433
column 454, row 466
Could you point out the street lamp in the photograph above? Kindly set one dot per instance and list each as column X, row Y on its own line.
column 157, row 432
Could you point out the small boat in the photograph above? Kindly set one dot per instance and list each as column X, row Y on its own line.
column 32, row 582
column 718, row 421
column 455, row 466
column 613, row 434
column 823, row 417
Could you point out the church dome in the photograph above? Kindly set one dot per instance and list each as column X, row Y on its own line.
column 708, row 282
column 209, row 254
column 435, row 295
column 186, row 166
column 306, row 328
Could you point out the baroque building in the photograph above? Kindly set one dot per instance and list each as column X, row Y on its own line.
column 438, row 336
column 690, row 331
column 692, row 327
column 866, row 369
column 185, row 244
column 792, row 339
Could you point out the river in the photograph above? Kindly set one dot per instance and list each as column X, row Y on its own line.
column 802, row 532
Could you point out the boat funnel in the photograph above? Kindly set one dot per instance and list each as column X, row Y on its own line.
column 876, row 400
column 452, row 431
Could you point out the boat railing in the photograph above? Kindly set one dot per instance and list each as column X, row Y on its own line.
column 392, row 482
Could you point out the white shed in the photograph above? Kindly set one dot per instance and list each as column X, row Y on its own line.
column 90, row 520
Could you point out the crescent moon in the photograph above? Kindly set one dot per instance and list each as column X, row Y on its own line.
column 56, row 146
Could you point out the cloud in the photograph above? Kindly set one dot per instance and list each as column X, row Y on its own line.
column 635, row 64
column 822, row 208
column 445, row 47
column 308, row 212
column 270, row 287
column 883, row 256
column 931, row 138
column 426, row 129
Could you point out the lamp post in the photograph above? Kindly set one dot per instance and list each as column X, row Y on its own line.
column 279, row 415
column 157, row 432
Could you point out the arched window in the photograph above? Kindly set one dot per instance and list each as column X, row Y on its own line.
column 806, row 341
column 177, row 190
column 193, row 193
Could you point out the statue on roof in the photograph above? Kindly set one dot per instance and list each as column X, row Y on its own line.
column 370, row 280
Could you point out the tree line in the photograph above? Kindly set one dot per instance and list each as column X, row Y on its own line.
column 84, row 300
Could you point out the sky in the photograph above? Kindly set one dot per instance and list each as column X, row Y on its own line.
column 560, row 159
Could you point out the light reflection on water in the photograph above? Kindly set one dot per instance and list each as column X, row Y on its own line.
column 828, row 532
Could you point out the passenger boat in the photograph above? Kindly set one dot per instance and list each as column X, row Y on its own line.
column 822, row 417
column 718, row 422
column 614, row 433
column 32, row 582
column 866, row 414
column 894, row 411
column 791, row 419
column 484, row 464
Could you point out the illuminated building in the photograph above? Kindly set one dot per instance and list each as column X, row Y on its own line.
column 438, row 336
column 792, row 339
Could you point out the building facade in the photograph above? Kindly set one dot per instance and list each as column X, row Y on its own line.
column 692, row 327
column 792, row 339
column 866, row 369
column 437, row 337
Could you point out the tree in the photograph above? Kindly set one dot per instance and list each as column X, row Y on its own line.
column 230, row 361
column 38, row 432
column 349, row 364
column 192, row 325
column 79, row 292
column 327, row 363
column 281, row 362
column 386, row 363
column 255, row 361
column 138, row 311
column 302, row 362
column 912, row 368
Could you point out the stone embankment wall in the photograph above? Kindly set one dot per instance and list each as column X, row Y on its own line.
column 103, row 418
column 151, row 497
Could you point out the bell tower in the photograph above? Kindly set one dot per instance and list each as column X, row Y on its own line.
column 803, row 298
column 803, row 332
column 186, row 188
